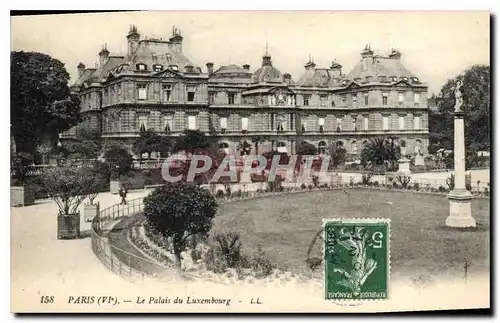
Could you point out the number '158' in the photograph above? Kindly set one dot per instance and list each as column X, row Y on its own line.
column 47, row 299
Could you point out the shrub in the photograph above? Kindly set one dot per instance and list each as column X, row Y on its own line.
column 315, row 180
column 365, row 178
column 261, row 263
column 395, row 185
column 303, row 186
column 229, row 248
column 442, row 189
column 376, row 184
column 276, row 185
column 227, row 187
column 324, row 185
column 486, row 192
column 403, row 180
column 119, row 160
column 450, row 181
column 238, row 193
column 21, row 164
column 310, row 187
column 416, row 186
column 179, row 210
column 219, row 194
column 351, row 181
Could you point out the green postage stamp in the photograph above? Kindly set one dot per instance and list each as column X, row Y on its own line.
column 357, row 259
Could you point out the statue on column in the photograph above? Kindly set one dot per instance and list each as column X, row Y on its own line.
column 459, row 100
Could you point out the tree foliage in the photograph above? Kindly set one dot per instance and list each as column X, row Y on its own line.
column 150, row 142
column 179, row 211
column 119, row 160
column 192, row 141
column 307, row 149
column 85, row 145
column 337, row 154
column 40, row 100
column 380, row 152
column 67, row 187
column 476, row 96
column 21, row 164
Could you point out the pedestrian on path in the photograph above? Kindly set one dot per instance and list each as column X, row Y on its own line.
column 123, row 194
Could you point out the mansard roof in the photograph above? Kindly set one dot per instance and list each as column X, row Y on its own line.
column 153, row 51
column 320, row 77
column 376, row 66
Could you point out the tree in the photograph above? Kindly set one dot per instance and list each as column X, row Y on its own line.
column 119, row 160
column 149, row 142
column 191, row 141
column 380, row 152
column 41, row 104
column 257, row 140
column 337, row 153
column 21, row 164
column 85, row 145
column 244, row 148
column 179, row 211
column 476, row 96
column 66, row 186
column 305, row 148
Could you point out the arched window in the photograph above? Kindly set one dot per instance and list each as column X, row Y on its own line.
column 322, row 147
column 418, row 146
column 339, row 144
column 224, row 146
column 354, row 147
column 281, row 147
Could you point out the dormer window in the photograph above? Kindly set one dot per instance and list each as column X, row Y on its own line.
column 157, row 68
column 141, row 67
column 344, row 83
column 394, row 78
column 415, row 79
column 382, row 78
column 174, row 67
column 405, row 79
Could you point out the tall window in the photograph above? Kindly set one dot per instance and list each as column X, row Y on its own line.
column 339, row 124
column 385, row 123
column 168, row 123
column 321, row 147
column 190, row 93
column 323, row 100
column 343, row 99
column 354, row 147
column 211, row 97
column 416, row 98
column 321, row 123
column 244, row 123
column 291, row 121
column 353, row 124
column 306, row 99
column 230, row 98
column 223, row 124
column 365, row 95
column 384, row 98
column 142, row 91
column 354, row 99
column 143, row 123
column 416, row 122
column 272, row 121
column 401, row 123
column 401, row 97
column 365, row 123
column 166, row 91
column 192, row 122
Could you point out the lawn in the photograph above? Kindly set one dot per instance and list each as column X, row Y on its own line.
column 421, row 245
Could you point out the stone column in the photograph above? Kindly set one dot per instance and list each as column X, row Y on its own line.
column 460, row 198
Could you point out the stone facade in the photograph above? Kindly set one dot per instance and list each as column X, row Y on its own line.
column 156, row 87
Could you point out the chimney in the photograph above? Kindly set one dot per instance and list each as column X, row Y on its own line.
column 210, row 68
column 366, row 57
column 395, row 54
column 310, row 65
column 246, row 67
column 103, row 55
column 367, row 52
column 133, row 40
column 80, row 68
column 336, row 69
column 287, row 78
column 176, row 40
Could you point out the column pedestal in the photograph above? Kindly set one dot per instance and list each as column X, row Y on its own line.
column 460, row 209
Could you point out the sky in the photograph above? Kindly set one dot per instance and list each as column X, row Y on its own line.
column 435, row 46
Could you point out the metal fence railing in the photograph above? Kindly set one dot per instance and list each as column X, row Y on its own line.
column 131, row 266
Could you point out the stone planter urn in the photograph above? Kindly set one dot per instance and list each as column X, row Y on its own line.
column 22, row 195
column 68, row 226
column 90, row 211
column 114, row 186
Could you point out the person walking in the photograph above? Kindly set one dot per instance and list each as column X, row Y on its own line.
column 123, row 194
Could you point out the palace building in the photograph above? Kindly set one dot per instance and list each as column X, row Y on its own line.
column 155, row 86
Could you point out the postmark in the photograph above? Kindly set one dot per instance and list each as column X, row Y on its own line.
column 356, row 259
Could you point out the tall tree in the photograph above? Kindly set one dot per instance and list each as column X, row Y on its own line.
column 380, row 152
column 40, row 100
column 85, row 145
column 476, row 96
column 191, row 141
